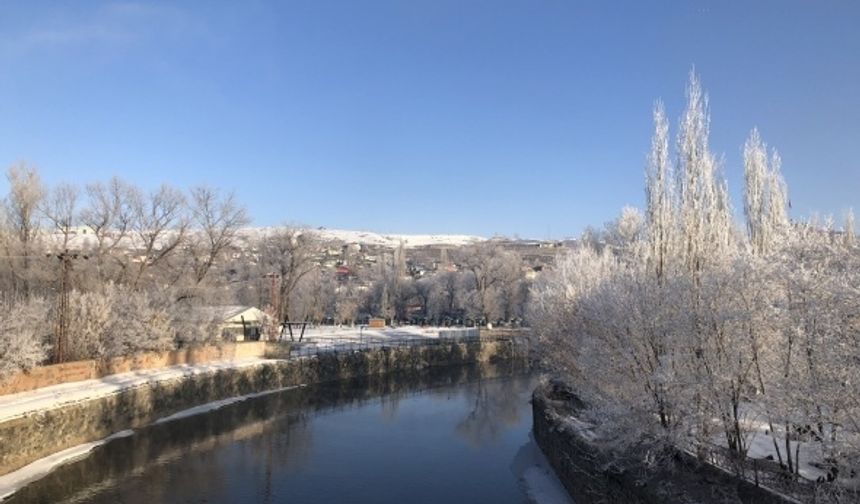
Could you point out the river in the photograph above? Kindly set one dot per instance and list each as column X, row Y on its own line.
column 452, row 435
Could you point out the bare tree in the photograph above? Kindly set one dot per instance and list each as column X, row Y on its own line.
column 158, row 228
column 347, row 304
column 109, row 215
column 288, row 254
column 60, row 208
column 216, row 222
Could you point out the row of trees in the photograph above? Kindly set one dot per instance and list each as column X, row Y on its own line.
column 111, row 269
column 483, row 283
column 108, row 269
column 695, row 333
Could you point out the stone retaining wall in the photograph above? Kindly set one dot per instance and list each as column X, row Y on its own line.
column 45, row 376
column 29, row 438
column 593, row 474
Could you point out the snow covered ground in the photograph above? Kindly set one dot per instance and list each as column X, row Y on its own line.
column 810, row 453
column 24, row 403
column 344, row 338
column 322, row 333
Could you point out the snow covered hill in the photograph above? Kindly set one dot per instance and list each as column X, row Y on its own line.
column 372, row 238
column 83, row 238
column 394, row 240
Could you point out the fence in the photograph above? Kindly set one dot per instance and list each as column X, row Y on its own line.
column 762, row 472
column 460, row 333
column 348, row 345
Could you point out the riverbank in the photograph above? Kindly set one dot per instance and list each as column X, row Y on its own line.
column 28, row 437
column 592, row 473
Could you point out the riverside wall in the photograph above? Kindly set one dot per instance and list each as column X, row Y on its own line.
column 44, row 432
column 45, row 376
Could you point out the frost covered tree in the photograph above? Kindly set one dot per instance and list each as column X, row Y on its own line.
column 89, row 321
column 848, row 228
column 489, row 269
column 24, row 331
column 704, row 214
column 697, row 336
column 445, row 302
column 659, row 197
column 138, row 323
column 21, row 220
column 314, row 298
column 764, row 195
column 626, row 230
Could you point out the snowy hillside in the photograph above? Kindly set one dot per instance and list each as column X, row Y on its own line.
column 83, row 238
column 394, row 240
column 376, row 239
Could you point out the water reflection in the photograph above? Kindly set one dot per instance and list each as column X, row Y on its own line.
column 377, row 439
column 496, row 407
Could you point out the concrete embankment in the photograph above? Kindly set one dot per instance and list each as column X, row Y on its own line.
column 26, row 438
column 592, row 473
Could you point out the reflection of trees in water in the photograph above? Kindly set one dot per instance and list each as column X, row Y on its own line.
column 258, row 438
column 390, row 403
column 283, row 448
column 497, row 406
column 166, row 462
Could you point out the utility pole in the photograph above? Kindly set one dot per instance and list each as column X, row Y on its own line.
column 61, row 333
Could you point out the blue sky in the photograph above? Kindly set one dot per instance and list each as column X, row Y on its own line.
column 530, row 118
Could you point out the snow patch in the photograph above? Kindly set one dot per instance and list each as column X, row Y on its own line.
column 214, row 405
column 14, row 481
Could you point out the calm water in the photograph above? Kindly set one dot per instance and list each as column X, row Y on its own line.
column 455, row 435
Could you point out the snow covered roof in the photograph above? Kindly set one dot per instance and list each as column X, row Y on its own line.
column 226, row 313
